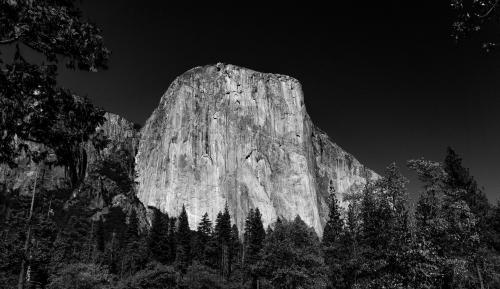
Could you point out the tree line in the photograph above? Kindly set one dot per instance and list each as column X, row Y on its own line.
column 448, row 239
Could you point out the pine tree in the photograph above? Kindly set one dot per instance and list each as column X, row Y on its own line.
column 222, row 234
column 205, row 226
column 351, row 266
column 235, row 249
column 134, row 252
column 203, row 240
column 458, row 178
column 254, row 236
column 172, row 238
column 158, row 239
column 334, row 225
column 332, row 242
column 253, row 243
column 183, row 252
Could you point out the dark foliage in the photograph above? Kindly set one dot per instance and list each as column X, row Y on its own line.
column 222, row 235
column 38, row 118
column 183, row 241
column 159, row 242
column 476, row 17
column 291, row 257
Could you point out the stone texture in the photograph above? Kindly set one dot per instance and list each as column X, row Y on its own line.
column 102, row 187
column 225, row 134
column 121, row 134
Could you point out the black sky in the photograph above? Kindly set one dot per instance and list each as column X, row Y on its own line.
column 384, row 80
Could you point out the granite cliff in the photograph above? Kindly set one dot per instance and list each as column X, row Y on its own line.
column 107, row 173
column 221, row 134
column 226, row 134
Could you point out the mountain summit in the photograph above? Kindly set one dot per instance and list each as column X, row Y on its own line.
column 224, row 134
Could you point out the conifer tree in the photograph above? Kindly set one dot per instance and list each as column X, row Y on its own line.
column 458, row 178
column 158, row 239
column 183, row 252
column 203, row 241
column 351, row 265
column 254, row 236
column 332, row 242
column 235, row 249
column 134, row 253
column 222, row 234
column 253, row 243
column 172, row 237
column 335, row 223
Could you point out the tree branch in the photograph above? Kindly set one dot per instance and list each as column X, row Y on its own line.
column 489, row 10
column 8, row 41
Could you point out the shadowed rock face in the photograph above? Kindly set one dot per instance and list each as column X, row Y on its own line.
column 107, row 174
column 121, row 134
column 225, row 134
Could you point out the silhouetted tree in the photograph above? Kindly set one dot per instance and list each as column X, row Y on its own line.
column 332, row 242
column 458, row 179
column 183, row 240
column 235, row 250
column 222, row 234
column 159, row 240
column 172, row 237
column 204, row 244
column 135, row 251
column 253, row 242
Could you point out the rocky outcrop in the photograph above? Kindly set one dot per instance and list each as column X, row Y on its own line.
column 109, row 180
column 108, row 171
column 225, row 134
column 119, row 135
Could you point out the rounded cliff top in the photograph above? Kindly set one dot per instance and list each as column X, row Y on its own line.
column 230, row 69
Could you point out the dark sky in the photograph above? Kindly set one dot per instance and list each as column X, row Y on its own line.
column 384, row 80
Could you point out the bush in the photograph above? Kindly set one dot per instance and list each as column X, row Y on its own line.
column 155, row 276
column 82, row 276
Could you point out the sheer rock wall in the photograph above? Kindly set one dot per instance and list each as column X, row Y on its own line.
column 225, row 134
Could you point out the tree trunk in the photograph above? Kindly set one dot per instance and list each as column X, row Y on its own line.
column 22, row 274
column 480, row 276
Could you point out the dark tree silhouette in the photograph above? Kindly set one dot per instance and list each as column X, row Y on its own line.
column 159, row 240
column 183, row 240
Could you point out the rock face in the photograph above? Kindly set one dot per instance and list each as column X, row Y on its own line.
column 225, row 134
column 121, row 136
column 108, row 173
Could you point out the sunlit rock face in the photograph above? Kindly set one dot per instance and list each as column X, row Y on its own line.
column 225, row 134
